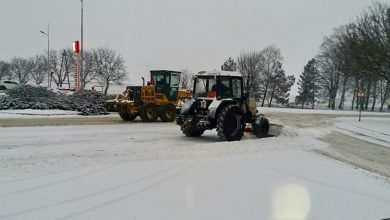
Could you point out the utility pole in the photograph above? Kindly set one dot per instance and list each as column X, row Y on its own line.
column 48, row 54
column 82, row 46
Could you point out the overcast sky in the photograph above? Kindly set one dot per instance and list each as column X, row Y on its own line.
column 175, row 34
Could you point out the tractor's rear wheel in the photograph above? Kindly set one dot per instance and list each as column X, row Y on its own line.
column 231, row 123
column 190, row 129
column 168, row 113
column 127, row 116
column 149, row 113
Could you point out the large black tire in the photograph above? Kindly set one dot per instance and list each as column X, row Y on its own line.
column 263, row 128
column 168, row 113
column 127, row 116
column 230, row 123
column 190, row 129
column 149, row 113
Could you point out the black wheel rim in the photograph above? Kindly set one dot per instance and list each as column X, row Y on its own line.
column 151, row 113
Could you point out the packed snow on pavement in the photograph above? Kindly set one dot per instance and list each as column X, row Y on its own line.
column 152, row 171
column 376, row 130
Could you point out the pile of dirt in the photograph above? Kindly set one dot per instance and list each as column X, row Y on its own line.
column 35, row 97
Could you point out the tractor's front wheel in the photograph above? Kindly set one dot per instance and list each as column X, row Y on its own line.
column 261, row 127
column 127, row 116
column 149, row 113
column 190, row 129
column 231, row 123
column 168, row 113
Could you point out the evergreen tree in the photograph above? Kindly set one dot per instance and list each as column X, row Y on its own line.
column 280, row 85
column 229, row 65
column 308, row 87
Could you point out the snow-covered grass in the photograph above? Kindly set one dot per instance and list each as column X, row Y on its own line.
column 151, row 171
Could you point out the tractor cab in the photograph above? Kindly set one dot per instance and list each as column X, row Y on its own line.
column 226, row 85
column 166, row 82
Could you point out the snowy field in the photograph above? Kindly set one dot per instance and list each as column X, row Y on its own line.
column 151, row 171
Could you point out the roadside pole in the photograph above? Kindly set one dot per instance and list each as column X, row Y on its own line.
column 360, row 97
column 76, row 50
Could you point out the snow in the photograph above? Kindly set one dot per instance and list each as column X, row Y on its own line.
column 375, row 130
column 36, row 113
column 24, row 113
column 265, row 110
column 151, row 171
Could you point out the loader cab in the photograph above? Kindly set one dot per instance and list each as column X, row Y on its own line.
column 166, row 82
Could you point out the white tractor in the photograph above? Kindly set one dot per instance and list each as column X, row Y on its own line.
column 219, row 102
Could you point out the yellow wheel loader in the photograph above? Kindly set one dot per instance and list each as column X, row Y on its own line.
column 157, row 99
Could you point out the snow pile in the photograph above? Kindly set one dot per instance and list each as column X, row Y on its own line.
column 35, row 97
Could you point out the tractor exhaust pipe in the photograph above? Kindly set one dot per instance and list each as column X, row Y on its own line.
column 143, row 81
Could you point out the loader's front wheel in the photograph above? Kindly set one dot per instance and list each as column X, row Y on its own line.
column 230, row 123
column 168, row 113
column 149, row 113
column 127, row 116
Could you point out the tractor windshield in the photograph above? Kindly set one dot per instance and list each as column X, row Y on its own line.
column 204, row 87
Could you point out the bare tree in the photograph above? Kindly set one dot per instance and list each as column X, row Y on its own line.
column 249, row 65
column 62, row 64
column 38, row 68
column 271, row 57
column 4, row 69
column 186, row 79
column 109, row 67
column 21, row 68
column 89, row 72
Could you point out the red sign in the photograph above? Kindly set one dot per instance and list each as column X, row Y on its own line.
column 76, row 46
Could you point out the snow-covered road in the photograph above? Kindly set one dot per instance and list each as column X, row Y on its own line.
column 151, row 171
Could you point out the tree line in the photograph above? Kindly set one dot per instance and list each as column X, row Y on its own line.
column 354, row 59
column 263, row 74
column 102, row 65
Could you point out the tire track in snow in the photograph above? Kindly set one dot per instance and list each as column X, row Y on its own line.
column 372, row 130
column 57, row 182
column 343, row 189
column 129, row 195
column 365, row 135
column 89, row 195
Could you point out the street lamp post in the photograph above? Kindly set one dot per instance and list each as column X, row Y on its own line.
column 82, row 45
column 48, row 53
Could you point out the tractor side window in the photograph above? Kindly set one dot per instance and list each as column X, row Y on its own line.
column 175, row 81
column 225, row 89
column 236, row 83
